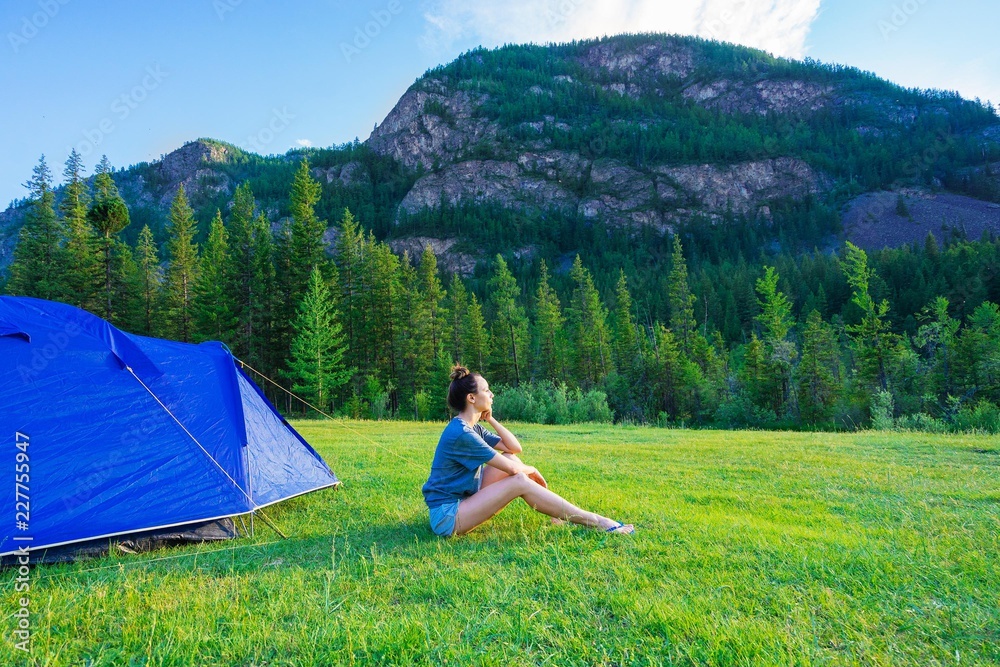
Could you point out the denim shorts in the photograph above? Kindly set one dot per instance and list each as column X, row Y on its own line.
column 443, row 518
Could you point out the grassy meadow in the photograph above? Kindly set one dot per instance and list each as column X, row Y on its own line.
column 752, row 548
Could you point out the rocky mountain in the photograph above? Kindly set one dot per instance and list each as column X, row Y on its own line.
column 636, row 132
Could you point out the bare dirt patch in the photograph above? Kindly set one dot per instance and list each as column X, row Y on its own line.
column 873, row 220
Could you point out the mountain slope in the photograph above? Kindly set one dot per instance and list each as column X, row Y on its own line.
column 632, row 133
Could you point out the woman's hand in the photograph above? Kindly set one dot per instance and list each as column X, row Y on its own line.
column 510, row 442
column 535, row 476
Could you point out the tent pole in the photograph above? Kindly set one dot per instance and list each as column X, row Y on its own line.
column 271, row 525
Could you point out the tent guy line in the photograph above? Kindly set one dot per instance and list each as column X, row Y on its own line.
column 254, row 509
column 339, row 422
column 184, row 428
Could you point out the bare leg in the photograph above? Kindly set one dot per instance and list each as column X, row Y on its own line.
column 479, row 507
column 492, row 475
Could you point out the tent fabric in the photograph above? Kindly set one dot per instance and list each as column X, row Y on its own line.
column 127, row 433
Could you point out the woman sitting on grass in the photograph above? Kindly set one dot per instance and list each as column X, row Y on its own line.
column 462, row 492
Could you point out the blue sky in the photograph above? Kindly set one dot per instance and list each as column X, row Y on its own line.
column 136, row 80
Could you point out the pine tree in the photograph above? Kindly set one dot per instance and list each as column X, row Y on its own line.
column 510, row 326
column 818, row 374
column 240, row 270
column 213, row 316
column 775, row 309
column 307, row 249
column 260, row 328
column 936, row 338
column 109, row 215
column 477, row 336
column 39, row 259
column 81, row 280
column 682, row 321
column 776, row 320
column 104, row 188
column 432, row 294
column 876, row 347
column 978, row 352
column 549, row 331
column 125, row 283
column 301, row 249
column 457, row 308
column 350, row 250
column 757, row 376
column 625, row 387
column 671, row 383
column 587, row 321
column 381, row 328
column 149, row 283
column 626, row 342
column 316, row 363
column 417, row 353
column 182, row 270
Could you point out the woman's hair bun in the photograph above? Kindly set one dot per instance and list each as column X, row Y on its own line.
column 459, row 372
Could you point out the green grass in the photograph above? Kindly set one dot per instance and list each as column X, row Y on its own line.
column 752, row 548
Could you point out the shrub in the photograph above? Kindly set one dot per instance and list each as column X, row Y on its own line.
column 984, row 416
column 377, row 398
column 548, row 403
column 738, row 411
column 882, row 407
column 921, row 421
column 354, row 408
column 555, row 401
column 590, row 407
column 423, row 405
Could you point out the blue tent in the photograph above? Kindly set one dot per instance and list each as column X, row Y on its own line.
column 109, row 434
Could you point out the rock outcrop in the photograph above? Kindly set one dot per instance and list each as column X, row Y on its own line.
column 616, row 193
column 761, row 97
column 190, row 166
column 448, row 259
column 431, row 126
column 655, row 58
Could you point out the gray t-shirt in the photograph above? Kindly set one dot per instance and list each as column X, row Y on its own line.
column 456, row 469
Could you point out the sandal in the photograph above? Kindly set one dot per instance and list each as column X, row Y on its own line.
column 617, row 529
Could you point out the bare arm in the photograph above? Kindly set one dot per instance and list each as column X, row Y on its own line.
column 509, row 442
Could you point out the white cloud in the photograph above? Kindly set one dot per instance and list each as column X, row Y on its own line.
column 305, row 143
column 778, row 26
